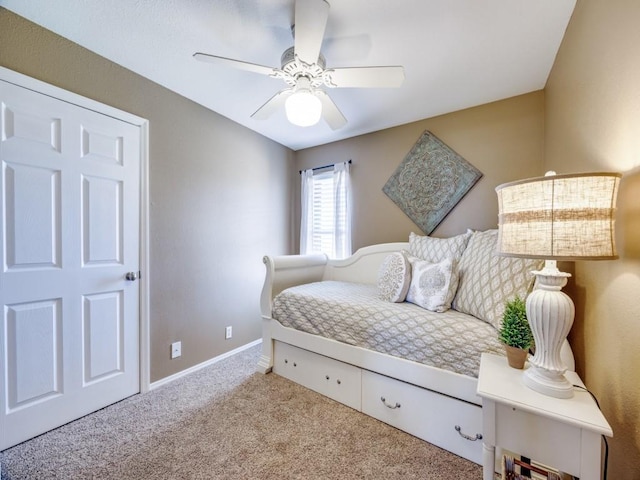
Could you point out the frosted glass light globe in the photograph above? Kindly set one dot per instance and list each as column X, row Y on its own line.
column 303, row 108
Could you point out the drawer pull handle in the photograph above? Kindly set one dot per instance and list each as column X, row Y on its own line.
column 295, row 364
column 468, row 437
column 392, row 407
column 339, row 382
column 327, row 377
column 286, row 361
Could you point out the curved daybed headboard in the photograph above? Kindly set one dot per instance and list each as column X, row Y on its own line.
column 362, row 266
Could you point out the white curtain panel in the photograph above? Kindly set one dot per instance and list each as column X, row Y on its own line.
column 306, row 219
column 342, row 205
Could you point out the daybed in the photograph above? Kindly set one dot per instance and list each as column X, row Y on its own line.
column 342, row 329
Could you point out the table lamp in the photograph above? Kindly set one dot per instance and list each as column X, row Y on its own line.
column 555, row 217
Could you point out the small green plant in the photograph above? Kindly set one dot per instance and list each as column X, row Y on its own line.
column 515, row 330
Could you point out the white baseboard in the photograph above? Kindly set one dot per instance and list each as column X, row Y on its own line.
column 202, row 365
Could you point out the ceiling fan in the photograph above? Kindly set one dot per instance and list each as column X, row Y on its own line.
column 303, row 69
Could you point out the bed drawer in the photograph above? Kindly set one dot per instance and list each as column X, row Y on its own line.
column 430, row 416
column 335, row 379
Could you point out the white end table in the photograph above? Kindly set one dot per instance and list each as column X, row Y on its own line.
column 562, row 433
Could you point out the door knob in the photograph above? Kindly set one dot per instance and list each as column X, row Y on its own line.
column 131, row 276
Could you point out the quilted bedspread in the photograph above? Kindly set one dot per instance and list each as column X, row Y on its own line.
column 352, row 313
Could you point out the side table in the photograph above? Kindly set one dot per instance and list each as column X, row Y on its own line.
column 562, row 433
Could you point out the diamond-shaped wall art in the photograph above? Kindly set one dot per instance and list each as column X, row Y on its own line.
column 430, row 181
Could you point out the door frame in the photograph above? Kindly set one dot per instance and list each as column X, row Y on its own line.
column 38, row 86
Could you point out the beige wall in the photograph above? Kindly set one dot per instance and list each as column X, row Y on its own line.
column 504, row 140
column 219, row 193
column 592, row 117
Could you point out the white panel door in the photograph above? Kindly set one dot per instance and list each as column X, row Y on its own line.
column 69, row 338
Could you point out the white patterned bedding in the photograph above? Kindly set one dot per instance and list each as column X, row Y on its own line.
column 352, row 313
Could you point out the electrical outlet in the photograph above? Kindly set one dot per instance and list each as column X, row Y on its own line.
column 176, row 349
column 228, row 333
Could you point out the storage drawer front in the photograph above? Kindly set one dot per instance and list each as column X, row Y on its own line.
column 336, row 380
column 428, row 415
column 292, row 363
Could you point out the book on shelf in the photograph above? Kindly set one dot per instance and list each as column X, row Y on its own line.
column 515, row 467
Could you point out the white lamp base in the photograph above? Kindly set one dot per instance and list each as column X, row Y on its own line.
column 550, row 313
column 548, row 383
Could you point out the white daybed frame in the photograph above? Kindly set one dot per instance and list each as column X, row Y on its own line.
column 289, row 270
column 458, row 392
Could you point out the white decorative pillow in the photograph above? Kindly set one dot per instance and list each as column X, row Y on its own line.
column 394, row 278
column 436, row 249
column 488, row 280
column 433, row 285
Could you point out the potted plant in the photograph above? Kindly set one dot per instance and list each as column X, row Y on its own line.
column 515, row 332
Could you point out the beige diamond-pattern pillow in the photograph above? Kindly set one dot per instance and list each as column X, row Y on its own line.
column 435, row 250
column 394, row 278
column 433, row 285
column 487, row 280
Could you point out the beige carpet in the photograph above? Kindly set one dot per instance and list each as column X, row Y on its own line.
column 227, row 422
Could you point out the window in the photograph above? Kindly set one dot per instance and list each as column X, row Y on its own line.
column 325, row 225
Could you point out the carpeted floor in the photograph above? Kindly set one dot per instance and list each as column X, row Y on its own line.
column 227, row 422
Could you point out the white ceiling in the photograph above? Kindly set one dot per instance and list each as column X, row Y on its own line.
column 456, row 53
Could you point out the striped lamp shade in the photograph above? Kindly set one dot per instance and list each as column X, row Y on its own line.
column 559, row 217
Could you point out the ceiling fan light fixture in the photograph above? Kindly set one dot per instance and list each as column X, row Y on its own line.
column 303, row 69
column 303, row 108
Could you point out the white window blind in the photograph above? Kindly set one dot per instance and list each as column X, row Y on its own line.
column 325, row 223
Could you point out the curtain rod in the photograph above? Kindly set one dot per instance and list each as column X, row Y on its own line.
column 324, row 166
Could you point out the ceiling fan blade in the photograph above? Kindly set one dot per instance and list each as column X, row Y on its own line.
column 273, row 104
column 364, row 77
column 310, row 21
column 330, row 112
column 250, row 67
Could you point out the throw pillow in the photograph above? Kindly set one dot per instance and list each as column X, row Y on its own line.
column 435, row 250
column 394, row 278
column 488, row 281
column 433, row 285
